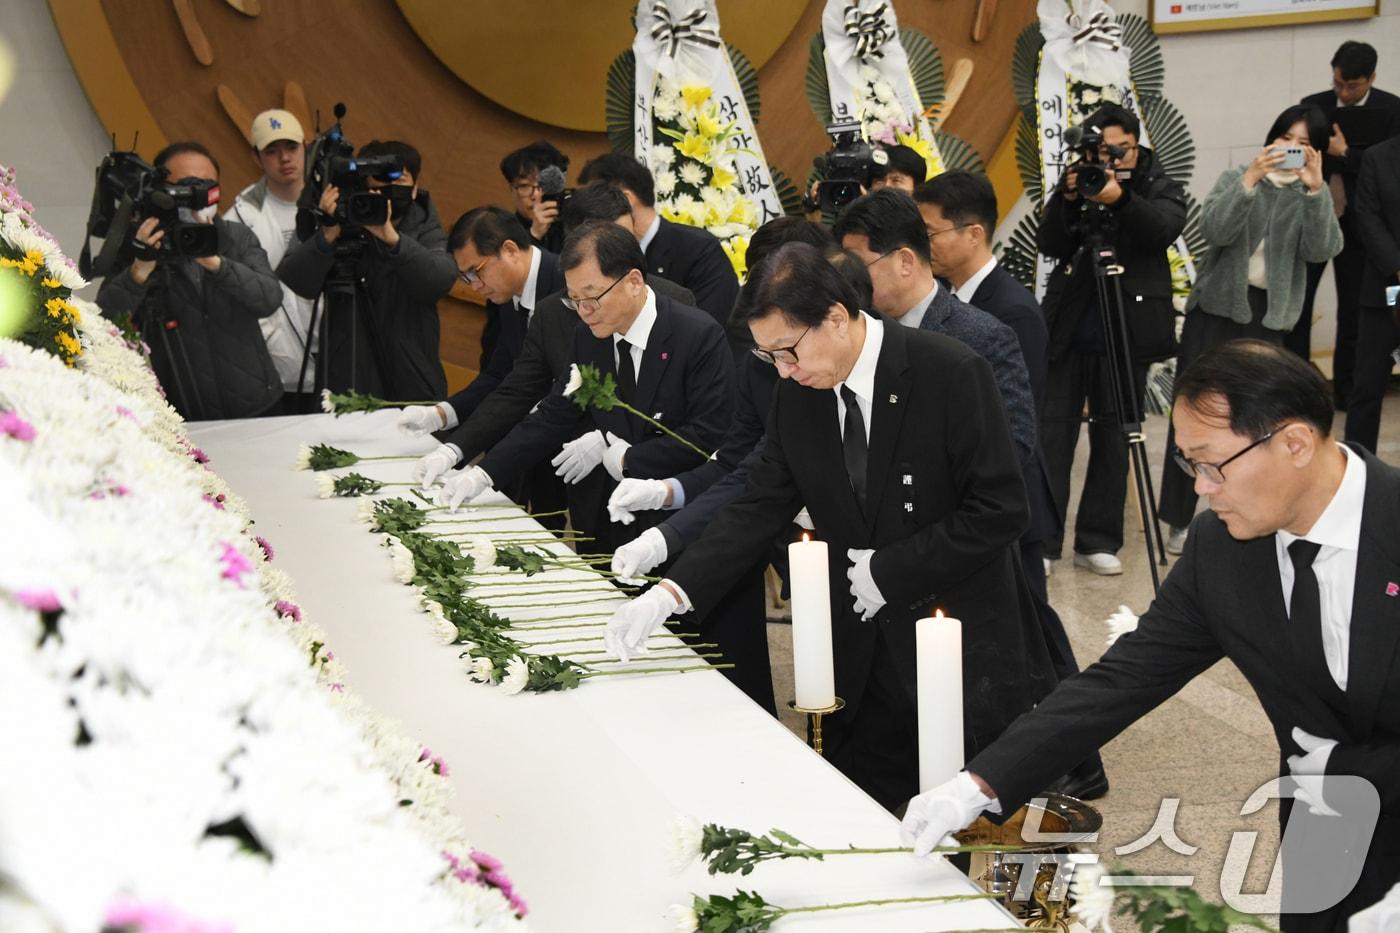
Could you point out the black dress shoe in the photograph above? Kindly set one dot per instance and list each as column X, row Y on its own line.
column 1088, row 785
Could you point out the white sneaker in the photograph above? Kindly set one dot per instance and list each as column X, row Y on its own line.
column 1176, row 540
column 1105, row 565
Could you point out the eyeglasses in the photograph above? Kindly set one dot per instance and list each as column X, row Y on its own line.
column 524, row 188
column 591, row 304
column 878, row 258
column 785, row 355
column 1214, row 472
column 473, row 276
column 934, row 233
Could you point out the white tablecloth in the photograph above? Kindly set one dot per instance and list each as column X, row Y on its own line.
column 575, row 791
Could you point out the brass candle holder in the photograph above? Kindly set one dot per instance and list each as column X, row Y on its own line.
column 814, row 716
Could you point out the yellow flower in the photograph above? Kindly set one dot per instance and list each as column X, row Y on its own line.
column 708, row 127
column 54, row 306
column 695, row 95
column 51, row 283
column 737, row 248
column 721, row 177
column 693, row 147
column 923, row 147
column 69, row 345
column 27, row 265
column 742, row 213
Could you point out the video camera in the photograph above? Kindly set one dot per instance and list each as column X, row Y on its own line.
column 129, row 190
column 332, row 161
column 1091, row 174
column 848, row 169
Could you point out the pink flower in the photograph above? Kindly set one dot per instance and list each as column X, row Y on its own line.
column 216, row 502
column 3, row 364
column 235, row 564
column 330, row 655
column 499, row 879
column 41, row 600
column 291, row 610
column 337, row 687
column 440, row 766
column 16, row 427
column 465, row 874
column 487, row 862
column 451, row 859
column 199, row 455
column 263, row 543
column 119, row 490
column 157, row 918
column 517, row 904
column 125, row 412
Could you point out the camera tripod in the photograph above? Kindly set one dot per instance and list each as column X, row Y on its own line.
column 1095, row 222
column 159, row 318
column 335, row 308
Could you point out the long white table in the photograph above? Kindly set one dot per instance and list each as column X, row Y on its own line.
column 575, row 791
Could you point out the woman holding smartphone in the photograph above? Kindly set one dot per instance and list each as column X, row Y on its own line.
column 1262, row 223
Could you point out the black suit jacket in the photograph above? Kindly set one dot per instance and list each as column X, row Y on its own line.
column 1349, row 165
column 512, row 323
column 544, row 357
column 1223, row 598
column 1377, row 213
column 1010, row 302
column 693, row 258
column 685, row 382
column 945, row 506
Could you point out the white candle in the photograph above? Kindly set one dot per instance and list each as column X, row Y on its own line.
column 938, row 655
column 813, row 671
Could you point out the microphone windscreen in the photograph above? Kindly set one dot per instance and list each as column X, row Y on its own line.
column 551, row 181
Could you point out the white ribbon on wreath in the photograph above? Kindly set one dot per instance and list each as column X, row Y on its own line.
column 677, row 46
column 867, row 75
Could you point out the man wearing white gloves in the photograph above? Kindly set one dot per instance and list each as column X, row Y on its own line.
column 895, row 441
column 668, row 360
column 1292, row 576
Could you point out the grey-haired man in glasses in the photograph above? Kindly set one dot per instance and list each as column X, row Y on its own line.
column 1292, row 575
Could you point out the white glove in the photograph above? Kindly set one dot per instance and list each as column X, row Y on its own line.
column 462, row 486
column 1308, row 770
column 633, row 623
column 636, row 495
column 433, row 465
column 578, row 457
column 643, row 553
column 1381, row 917
column 417, row 420
column 612, row 458
column 868, row 598
column 804, row 519
column 933, row 816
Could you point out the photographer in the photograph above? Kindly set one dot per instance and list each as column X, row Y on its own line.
column 904, row 169
column 200, row 315
column 384, row 341
column 1141, row 212
column 268, row 207
column 1263, row 225
column 538, row 215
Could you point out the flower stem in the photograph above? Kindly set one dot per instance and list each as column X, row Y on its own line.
column 553, row 605
column 572, row 641
column 496, row 518
column 654, row 423
column 662, row 670
column 524, row 624
column 940, row 899
column 390, row 457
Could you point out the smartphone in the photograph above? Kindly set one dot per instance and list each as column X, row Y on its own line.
column 1292, row 157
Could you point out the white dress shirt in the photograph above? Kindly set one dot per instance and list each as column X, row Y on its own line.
column 651, row 233
column 637, row 335
column 1359, row 103
column 1338, row 530
column 966, row 290
column 915, row 317
column 862, row 376
column 526, row 298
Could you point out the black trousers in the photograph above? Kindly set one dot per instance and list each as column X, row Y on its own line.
column 739, row 625
column 1346, row 273
column 876, row 745
column 1377, row 336
column 1071, row 382
column 1202, row 331
column 1379, row 874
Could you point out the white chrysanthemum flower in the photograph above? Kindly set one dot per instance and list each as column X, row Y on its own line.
column 663, row 155
column 303, row 461
column 665, row 180
column 683, row 917
column 666, row 108
column 364, row 512
column 1090, row 96
column 402, row 557
column 575, row 380
column 482, row 551
column 326, row 405
column 482, row 671
column 1121, row 623
column 67, row 276
column 1093, row 901
column 517, row 676
column 686, row 836
column 443, row 629
column 469, row 647
column 884, row 92
column 693, row 174
column 325, row 485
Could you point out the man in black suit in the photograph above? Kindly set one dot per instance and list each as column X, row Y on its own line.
column 1377, row 213
column 1291, row 575
column 896, row 443
column 960, row 213
column 686, row 255
column 669, row 360
column 1353, row 79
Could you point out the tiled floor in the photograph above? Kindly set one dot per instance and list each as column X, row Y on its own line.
column 1210, row 746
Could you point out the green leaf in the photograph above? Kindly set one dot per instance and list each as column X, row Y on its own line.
column 788, row 195
column 1025, row 62
column 1018, row 254
column 788, row 838
column 1145, row 64
column 818, row 91
column 747, row 77
column 618, row 106
column 1028, row 158
column 957, row 154
column 925, row 66
column 1170, row 138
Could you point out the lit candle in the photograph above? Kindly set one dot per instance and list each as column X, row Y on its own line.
column 938, row 656
column 813, row 672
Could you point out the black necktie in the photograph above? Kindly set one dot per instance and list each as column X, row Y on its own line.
column 1305, row 615
column 626, row 373
column 854, row 443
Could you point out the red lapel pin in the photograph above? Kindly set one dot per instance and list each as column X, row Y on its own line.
column 1392, row 589
column 665, row 355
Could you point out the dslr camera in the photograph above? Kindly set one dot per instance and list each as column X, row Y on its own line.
column 332, row 161
column 847, row 169
column 128, row 191
column 1091, row 174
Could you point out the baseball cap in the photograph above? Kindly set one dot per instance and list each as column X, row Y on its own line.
column 272, row 125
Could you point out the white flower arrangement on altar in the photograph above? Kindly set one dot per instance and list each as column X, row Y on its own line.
column 697, row 182
column 1083, row 99
column 183, row 749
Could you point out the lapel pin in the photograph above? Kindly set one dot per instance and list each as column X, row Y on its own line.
column 665, row 355
column 894, row 399
column 908, row 506
column 1392, row 589
column 908, row 480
